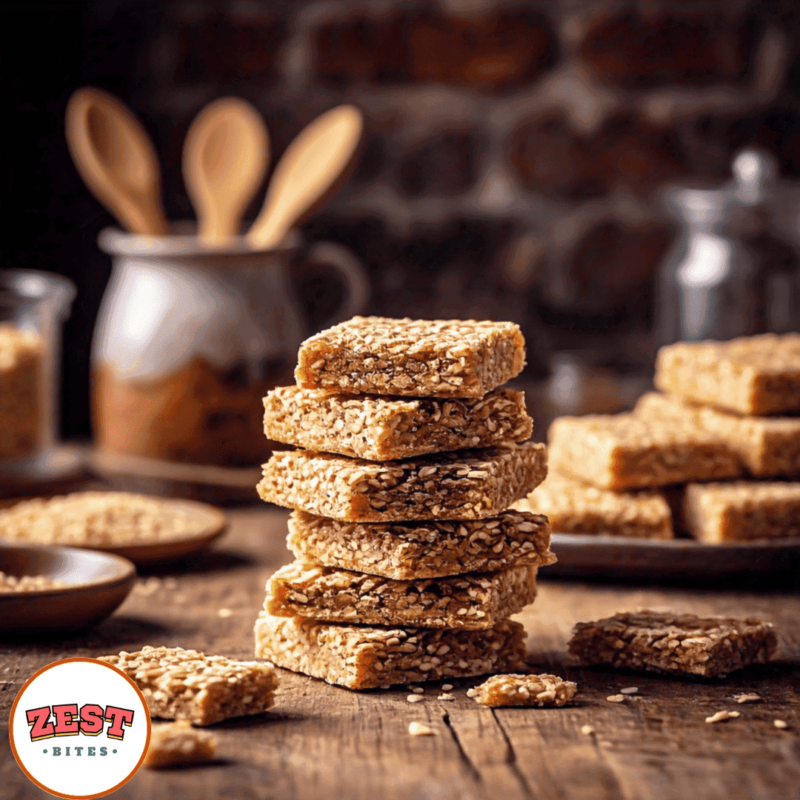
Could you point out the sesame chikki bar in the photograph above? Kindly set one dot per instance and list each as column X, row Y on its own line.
column 768, row 446
column 385, row 428
column 475, row 601
column 524, row 690
column 749, row 375
column 742, row 510
column 178, row 744
column 574, row 507
column 419, row 358
column 363, row 657
column 469, row 484
column 625, row 451
column 185, row 684
column 669, row 642
column 21, row 377
column 437, row 548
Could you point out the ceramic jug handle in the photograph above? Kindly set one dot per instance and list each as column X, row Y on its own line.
column 353, row 274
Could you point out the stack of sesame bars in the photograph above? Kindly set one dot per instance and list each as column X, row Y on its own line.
column 408, row 559
column 714, row 454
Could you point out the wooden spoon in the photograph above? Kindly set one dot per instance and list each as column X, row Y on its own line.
column 307, row 173
column 224, row 160
column 116, row 159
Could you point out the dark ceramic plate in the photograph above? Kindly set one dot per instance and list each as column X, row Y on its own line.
column 598, row 556
column 96, row 585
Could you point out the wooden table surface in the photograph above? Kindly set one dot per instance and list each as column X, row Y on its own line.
column 324, row 742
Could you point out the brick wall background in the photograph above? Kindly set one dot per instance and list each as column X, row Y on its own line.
column 514, row 150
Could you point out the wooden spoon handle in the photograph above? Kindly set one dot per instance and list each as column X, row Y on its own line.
column 306, row 173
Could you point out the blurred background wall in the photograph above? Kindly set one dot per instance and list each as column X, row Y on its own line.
column 514, row 151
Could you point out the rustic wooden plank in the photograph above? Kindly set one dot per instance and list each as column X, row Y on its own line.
column 323, row 742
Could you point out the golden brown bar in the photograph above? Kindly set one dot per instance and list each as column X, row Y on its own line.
column 575, row 507
column 768, row 446
column 363, row 657
column 524, row 690
column 625, row 451
column 386, row 428
column 472, row 602
column 469, row 484
column 750, row 375
column 185, row 684
column 742, row 511
column 668, row 642
column 418, row 358
column 432, row 549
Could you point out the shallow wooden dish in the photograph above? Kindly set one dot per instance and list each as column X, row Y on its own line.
column 582, row 555
column 211, row 524
column 98, row 583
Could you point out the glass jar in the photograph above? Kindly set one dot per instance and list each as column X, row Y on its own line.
column 33, row 307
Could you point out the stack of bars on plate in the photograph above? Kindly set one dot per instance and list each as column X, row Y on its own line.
column 408, row 559
column 713, row 454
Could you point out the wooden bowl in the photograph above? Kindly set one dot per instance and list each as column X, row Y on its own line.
column 97, row 583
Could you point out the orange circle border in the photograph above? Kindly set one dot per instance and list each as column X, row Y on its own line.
column 14, row 747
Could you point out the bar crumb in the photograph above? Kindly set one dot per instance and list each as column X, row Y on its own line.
column 721, row 716
column 525, row 690
column 178, row 744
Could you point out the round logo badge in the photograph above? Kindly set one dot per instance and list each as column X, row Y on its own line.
column 79, row 728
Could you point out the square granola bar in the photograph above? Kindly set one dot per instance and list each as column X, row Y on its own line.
column 469, row 484
column 750, row 375
column 524, row 690
column 669, row 642
column 186, row 684
column 431, row 549
column 767, row 446
column 364, row 657
column 575, row 507
column 472, row 602
column 418, row 358
column 742, row 511
column 386, row 428
column 626, row 451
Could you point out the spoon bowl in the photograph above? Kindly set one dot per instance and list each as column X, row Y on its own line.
column 225, row 158
column 116, row 159
column 308, row 172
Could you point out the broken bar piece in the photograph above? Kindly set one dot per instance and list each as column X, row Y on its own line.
column 524, row 690
column 186, row 684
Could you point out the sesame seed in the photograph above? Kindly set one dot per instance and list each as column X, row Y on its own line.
column 587, row 730
column 418, row 729
column 780, row 724
column 414, row 698
column 629, row 690
column 616, row 698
